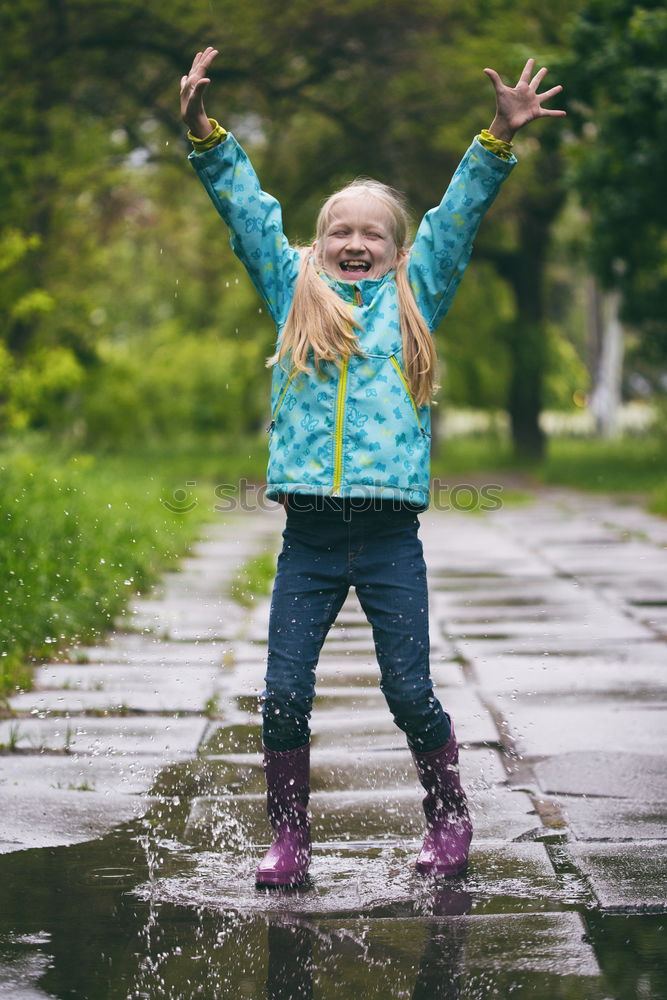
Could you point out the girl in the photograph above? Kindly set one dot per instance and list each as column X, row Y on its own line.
column 353, row 374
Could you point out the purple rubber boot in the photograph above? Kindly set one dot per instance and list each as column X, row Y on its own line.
column 449, row 829
column 287, row 793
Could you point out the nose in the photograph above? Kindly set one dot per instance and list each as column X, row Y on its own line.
column 355, row 241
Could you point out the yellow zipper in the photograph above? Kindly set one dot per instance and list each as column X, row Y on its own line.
column 281, row 397
column 340, row 407
column 407, row 389
column 340, row 414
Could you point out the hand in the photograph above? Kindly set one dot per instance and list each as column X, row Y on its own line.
column 192, row 93
column 516, row 106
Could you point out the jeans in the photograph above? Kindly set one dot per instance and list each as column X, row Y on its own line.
column 330, row 544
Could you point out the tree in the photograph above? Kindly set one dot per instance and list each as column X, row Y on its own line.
column 618, row 105
column 320, row 91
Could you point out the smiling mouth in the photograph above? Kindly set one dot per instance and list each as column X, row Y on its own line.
column 355, row 266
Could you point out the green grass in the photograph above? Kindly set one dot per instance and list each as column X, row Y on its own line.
column 460, row 459
column 81, row 533
column 633, row 466
column 630, row 465
column 254, row 578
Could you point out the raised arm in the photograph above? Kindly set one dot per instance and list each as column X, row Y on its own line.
column 254, row 217
column 444, row 240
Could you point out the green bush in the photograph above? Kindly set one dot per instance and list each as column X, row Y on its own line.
column 80, row 536
column 173, row 385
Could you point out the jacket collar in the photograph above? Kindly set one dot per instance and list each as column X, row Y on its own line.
column 368, row 287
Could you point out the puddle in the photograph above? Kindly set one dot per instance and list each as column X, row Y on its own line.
column 89, row 922
column 631, row 951
column 142, row 913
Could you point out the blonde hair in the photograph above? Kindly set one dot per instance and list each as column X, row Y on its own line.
column 320, row 323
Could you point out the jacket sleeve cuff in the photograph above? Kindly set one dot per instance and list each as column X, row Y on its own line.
column 499, row 147
column 214, row 138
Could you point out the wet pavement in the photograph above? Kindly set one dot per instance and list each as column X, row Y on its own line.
column 133, row 796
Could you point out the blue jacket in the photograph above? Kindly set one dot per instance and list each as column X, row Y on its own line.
column 353, row 430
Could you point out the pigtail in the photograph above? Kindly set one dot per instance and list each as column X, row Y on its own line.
column 320, row 326
column 419, row 356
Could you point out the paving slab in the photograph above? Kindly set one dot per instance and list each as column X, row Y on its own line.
column 112, row 735
column 615, row 820
column 591, row 561
column 57, row 817
column 74, row 772
column 632, row 518
column 333, row 724
column 153, row 688
column 517, row 592
column 625, row 877
column 502, row 643
column 446, row 674
column 641, row 777
column 545, row 725
column 59, row 800
column 635, row 669
column 605, row 626
column 346, row 669
column 143, row 649
column 185, row 618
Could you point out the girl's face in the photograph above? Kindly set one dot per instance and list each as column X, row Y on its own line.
column 358, row 239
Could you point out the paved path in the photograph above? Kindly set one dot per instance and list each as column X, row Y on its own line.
column 549, row 628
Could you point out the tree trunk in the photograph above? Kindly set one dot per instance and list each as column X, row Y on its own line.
column 606, row 396
column 527, row 342
column 524, row 270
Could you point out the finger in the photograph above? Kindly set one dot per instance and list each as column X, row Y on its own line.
column 195, row 62
column 209, row 56
column 551, row 113
column 537, row 79
column 494, row 78
column 549, row 93
column 527, row 71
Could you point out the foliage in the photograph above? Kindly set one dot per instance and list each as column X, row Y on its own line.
column 112, row 240
column 82, row 533
column 617, row 80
